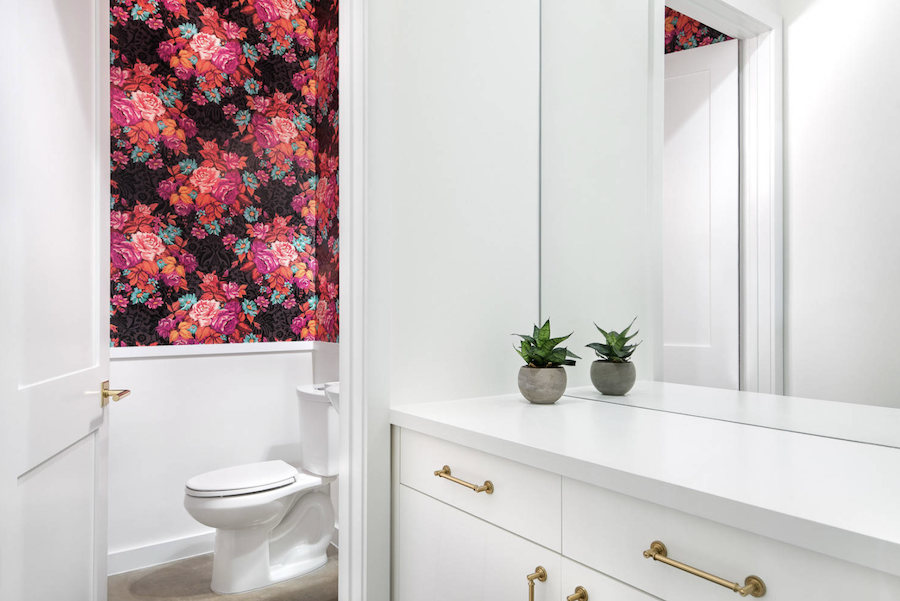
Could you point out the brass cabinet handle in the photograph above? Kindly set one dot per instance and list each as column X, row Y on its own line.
column 753, row 585
column 106, row 394
column 487, row 487
column 540, row 574
column 579, row 595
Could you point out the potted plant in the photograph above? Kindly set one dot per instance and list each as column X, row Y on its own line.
column 543, row 379
column 613, row 373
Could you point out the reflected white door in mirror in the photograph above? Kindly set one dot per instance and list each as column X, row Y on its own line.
column 584, row 490
column 700, row 217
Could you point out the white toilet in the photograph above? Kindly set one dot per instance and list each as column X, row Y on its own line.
column 272, row 521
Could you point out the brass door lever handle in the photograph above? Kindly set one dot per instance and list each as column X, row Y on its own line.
column 753, row 585
column 579, row 595
column 540, row 574
column 115, row 395
column 487, row 487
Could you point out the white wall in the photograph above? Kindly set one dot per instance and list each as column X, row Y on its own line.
column 185, row 416
column 842, row 249
column 453, row 242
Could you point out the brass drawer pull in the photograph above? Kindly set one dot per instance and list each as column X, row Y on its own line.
column 487, row 487
column 579, row 595
column 753, row 585
column 540, row 574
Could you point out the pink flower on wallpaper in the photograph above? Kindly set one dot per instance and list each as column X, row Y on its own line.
column 226, row 320
column 284, row 129
column 171, row 279
column 124, row 112
column 325, row 314
column 286, row 8
column 118, row 76
column 231, row 289
column 203, row 312
column 118, row 219
column 205, row 179
column 264, row 258
column 226, row 189
column 284, row 252
column 260, row 230
column 232, row 30
column 266, row 136
column 123, row 255
column 228, row 57
column 205, row 44
column 267, row 10
column 148, row 245
column 149, row 105
column 232, row 160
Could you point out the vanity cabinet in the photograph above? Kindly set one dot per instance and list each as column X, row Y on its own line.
column 453, row 543
column 610, row 531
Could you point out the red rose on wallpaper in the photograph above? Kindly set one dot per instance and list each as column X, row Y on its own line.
column 205, row 179
column 123, row 111
column 267, row 10
column 206, row 45
column 286, row 8
column 284, row 129
column 149, row 246
column 148, row 105
column 227, row 188
column 227, row 58
column 203, row 312
column 284, row 252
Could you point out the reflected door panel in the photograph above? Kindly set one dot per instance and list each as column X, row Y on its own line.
column 700, row 217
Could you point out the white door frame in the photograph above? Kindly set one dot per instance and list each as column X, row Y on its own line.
column 760, row 35
column 365, row 493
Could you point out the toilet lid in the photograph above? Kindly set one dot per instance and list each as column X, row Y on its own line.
column 242, row 479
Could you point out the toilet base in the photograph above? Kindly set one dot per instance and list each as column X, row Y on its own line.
column 253, row 558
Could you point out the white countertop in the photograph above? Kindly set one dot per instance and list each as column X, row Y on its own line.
column 832, row 496
column 846, row 421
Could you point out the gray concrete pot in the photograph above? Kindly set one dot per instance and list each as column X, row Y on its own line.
column 614, row 379
column 542, row 385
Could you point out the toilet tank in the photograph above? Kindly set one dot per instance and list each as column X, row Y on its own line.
column 319, row 431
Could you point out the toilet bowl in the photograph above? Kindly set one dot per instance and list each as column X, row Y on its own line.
column 273, row 522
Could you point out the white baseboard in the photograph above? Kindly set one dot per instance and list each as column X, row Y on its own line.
column 152, row 555
column 173, row 550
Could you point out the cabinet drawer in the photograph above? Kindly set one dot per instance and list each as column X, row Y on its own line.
column 609, row 532
column 445, row 554
column 596, row 585
column 525, row 500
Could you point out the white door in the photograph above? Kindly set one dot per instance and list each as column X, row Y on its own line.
column 54, row 354
column 700, row 217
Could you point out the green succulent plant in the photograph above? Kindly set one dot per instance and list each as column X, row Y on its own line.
column 539, row 350
column 616, row 349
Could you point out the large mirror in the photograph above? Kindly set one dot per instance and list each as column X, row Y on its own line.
column 753, row 262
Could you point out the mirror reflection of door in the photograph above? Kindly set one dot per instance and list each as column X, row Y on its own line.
column 700, row 213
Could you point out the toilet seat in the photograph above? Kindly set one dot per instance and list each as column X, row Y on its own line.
column 249, row 478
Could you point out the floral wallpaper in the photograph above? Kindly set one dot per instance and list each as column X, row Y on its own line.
column 224, row 168
column 684, row 33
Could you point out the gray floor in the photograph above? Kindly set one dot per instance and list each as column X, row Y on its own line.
column 188, row 580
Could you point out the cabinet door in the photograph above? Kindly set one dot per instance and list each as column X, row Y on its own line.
column 445, row 554
column 597, row 585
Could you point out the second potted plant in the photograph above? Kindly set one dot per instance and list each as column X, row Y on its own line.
column 613, row 373
column 543, row 379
